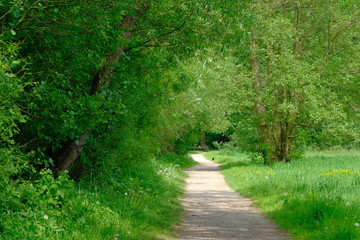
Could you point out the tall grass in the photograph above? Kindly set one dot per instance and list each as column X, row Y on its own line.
column 317, row 197
column 131, row 200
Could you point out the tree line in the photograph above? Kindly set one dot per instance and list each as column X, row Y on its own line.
column 81, row 77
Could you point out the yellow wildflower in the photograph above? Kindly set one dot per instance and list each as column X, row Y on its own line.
column 341, row 172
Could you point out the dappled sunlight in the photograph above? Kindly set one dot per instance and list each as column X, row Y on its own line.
column 214, row 211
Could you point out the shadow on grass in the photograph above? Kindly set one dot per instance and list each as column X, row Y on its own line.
column 198, row 151
column 142, row 197
column 234, row 164
column 317, row 217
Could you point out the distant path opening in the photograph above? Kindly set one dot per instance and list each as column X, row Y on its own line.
column 214, row 211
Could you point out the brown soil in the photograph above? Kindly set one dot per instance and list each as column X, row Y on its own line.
column 214, row 211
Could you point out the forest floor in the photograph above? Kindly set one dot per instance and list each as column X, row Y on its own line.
column 214, row 211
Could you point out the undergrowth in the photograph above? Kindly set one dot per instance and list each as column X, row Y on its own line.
column 315, row 198
column 130, row 200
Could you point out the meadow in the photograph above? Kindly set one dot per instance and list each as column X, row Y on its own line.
column 314, row 198
column 129, row 200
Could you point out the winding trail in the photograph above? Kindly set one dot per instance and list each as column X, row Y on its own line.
column 214, row 211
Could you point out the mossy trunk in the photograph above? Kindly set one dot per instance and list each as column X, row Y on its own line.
column 71, row 149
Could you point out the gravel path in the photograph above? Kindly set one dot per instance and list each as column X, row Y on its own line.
column 214, row 211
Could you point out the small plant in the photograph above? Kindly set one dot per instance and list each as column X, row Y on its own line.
column 133, row 201
column 224, row 145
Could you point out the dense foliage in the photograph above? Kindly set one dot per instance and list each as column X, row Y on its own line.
column 82, row 79
column 132, row 200
column 294, row 72
column 292, row 48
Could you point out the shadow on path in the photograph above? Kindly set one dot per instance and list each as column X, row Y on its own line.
column 214, row 211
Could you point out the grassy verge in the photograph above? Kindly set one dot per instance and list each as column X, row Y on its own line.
column 316, row 198
column 128, row 201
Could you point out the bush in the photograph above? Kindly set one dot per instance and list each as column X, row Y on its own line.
column 124, row 200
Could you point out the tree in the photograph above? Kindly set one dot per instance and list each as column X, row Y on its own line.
column 96, row 64
column 285, row 73
column 210, row 100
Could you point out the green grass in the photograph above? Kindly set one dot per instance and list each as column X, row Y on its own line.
column 196, row 151
column 315, row 198
column 131, row 200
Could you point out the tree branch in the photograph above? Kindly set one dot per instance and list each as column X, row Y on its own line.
column 345, row 73
column 157, row 37
column 328, row 58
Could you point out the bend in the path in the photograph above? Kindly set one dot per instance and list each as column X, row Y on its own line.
column 213, row 211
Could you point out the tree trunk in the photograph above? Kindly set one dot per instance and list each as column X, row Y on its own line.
column 71, row 149
column 260, row 108
column 69, row 152
column 285, row 126
column 203, row 141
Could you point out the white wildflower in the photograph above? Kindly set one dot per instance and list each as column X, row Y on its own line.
column 46, row 217
column 357, row 225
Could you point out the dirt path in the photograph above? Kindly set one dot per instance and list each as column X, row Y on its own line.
column 214, row 211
